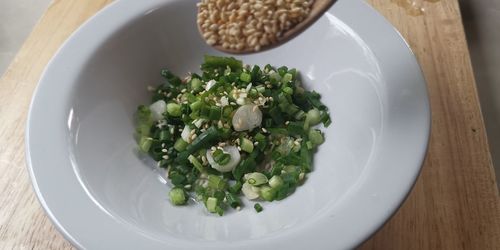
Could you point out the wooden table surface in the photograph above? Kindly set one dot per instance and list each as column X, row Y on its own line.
column 455, row 202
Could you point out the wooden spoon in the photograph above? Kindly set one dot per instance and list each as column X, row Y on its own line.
column 317, row 9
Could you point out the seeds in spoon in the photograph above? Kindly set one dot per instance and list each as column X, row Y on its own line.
column 249, row 24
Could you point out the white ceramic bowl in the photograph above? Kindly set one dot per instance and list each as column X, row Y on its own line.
column 102, row 195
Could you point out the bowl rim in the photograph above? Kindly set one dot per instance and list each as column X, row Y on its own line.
column 120, row 13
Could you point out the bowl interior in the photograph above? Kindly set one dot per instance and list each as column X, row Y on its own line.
column 333, row 61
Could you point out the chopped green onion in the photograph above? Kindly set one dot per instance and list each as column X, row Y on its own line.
column 283, row 192
column 196, row 84
column 282, row 70
column 177, row 196
column 156, row 151
column 325, row 119
column 215, row 113
column 233, row 200
column 256, row 178
column 245, row 77
column 172, row 79
column 143, row 113
column 196, row 106
column 212, row 204
column 216, row 182
column 267, row 193
column 316, row 137
column 250, row 192
column 296, row 128
column 236, row 187
column 309, row 145
column 174, row 109
column 223, row 159
column 180, row 145
column 305, row 155
column 220, row 157
column 219, row 210
column 202, row 141
column 276, row 181
column 275, row 77
column 287, row 78
column 164, row 135
column 288, row 90
column 226, row 113
column 313, row 117
column 276, row 168
column 195, row 163
column 258, row 207
column 245, row 166
column 213, row 62
column 190, row 130
column 145, row 143
column 300, row 115
column 246, row 145
column 177, row 178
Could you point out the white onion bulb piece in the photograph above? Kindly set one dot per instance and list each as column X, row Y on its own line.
column 235, row 159
column 157, row 109
column 247, row 117
column 186, row 134
column 250, row 191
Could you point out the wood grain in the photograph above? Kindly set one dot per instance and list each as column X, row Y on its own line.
column 454, row 205
column 23, row 224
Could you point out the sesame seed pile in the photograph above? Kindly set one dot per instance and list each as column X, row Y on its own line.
column 249, row 24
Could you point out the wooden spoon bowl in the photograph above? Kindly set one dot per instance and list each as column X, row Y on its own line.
column 317, row 9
